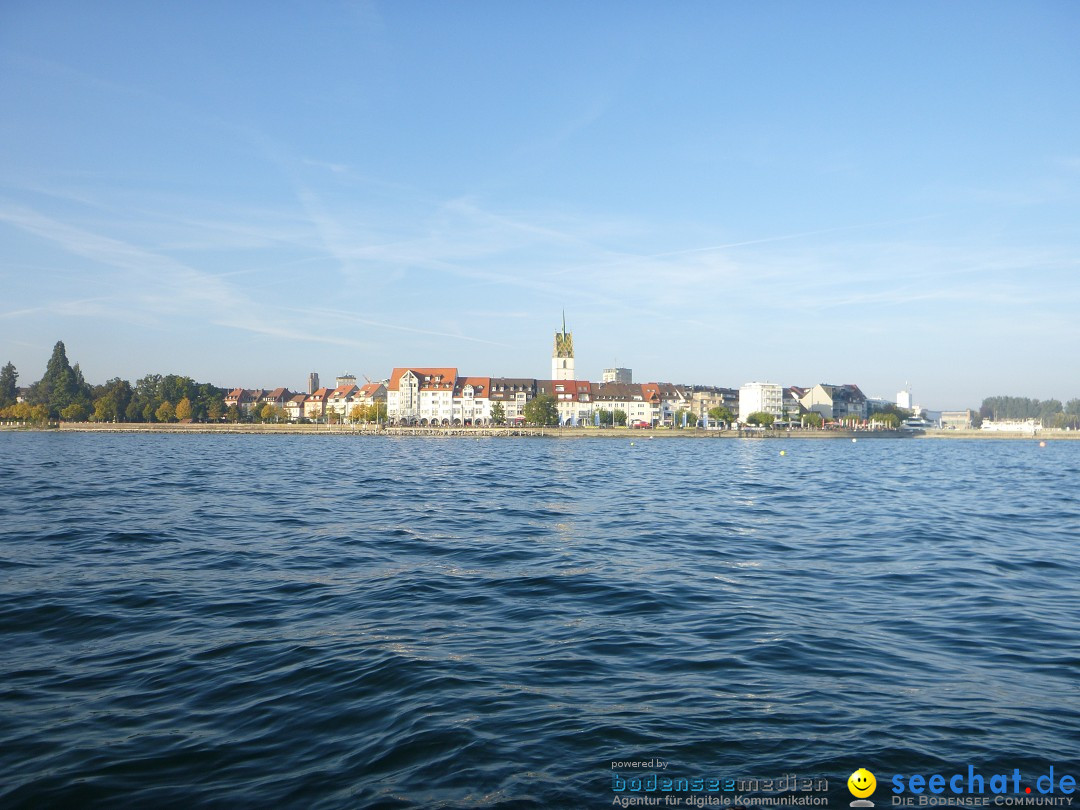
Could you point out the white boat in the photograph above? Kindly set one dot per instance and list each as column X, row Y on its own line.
column 916, row 423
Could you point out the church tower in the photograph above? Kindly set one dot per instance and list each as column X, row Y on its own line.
column 562, row 358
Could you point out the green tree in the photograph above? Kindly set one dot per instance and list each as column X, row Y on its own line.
column 814, row 419
column 266, row 413
column 209, row 396
column 9, row 391
column 607, row 418
column 101, row 410
column 75, row 412
column 691, row 420
column 542, row 410
column 111, row 400
column 1049, row 410
column 215, row 410
column 175, row 388
column 61, row 385
column 38, row 414
column 20, row 411
column 619, row 416
column 145, row 399
column 498, row 414
column 183, row 409
column 1002, row 407
column 722, row 414
column 232, row 414
column 760, row 418
column 165, row 412
column 134, row 411
column 375, row 412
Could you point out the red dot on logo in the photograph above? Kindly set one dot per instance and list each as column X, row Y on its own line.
column 1027, row 790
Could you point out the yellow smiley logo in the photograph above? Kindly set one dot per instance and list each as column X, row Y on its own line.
column 861, row 783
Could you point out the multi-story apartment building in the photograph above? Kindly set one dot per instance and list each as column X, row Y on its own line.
column 573, row 398
column 670, row 399
column 471, row 403
column 703, row 398
column 639, row 402
column 294, row 407
column 618, row 375
column 245, row 398
column 315, row 403
column 371, row 393
column 421, row 396
column 342, row 399
column 835, row 401
column 759, row 396
column 512, row 393
column 277, row 398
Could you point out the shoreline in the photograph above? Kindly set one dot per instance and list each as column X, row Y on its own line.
column 520, row 432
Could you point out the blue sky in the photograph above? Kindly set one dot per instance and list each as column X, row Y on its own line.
column 714, row 192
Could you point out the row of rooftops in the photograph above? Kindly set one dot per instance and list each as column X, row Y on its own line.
column 507, row 388
column 837, row 392
column 280, row 396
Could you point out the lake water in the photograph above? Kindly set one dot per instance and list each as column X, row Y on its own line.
column 300, row 621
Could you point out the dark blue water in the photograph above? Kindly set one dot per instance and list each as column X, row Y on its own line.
column 248, row 621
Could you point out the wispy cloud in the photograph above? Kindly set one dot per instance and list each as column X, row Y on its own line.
column 159, row 285
column 338, row 315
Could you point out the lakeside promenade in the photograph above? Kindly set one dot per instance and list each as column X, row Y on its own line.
column 584, row 432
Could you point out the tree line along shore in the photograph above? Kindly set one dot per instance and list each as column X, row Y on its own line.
column 63, row 396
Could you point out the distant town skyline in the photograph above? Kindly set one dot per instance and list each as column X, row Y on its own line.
column 714, row 194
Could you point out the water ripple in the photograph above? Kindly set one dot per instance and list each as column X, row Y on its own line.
column 341, row 622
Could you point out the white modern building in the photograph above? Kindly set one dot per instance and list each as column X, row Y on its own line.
column 761, row 396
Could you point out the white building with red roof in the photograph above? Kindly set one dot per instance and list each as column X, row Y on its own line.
column 371, row 393
column 277, row 397
column 342, row 399
column 315, row 404
column 244, row 398
column 472, row 403
column 641, row 402
column 573, row 399
column 294, row 407
column 422, row 396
